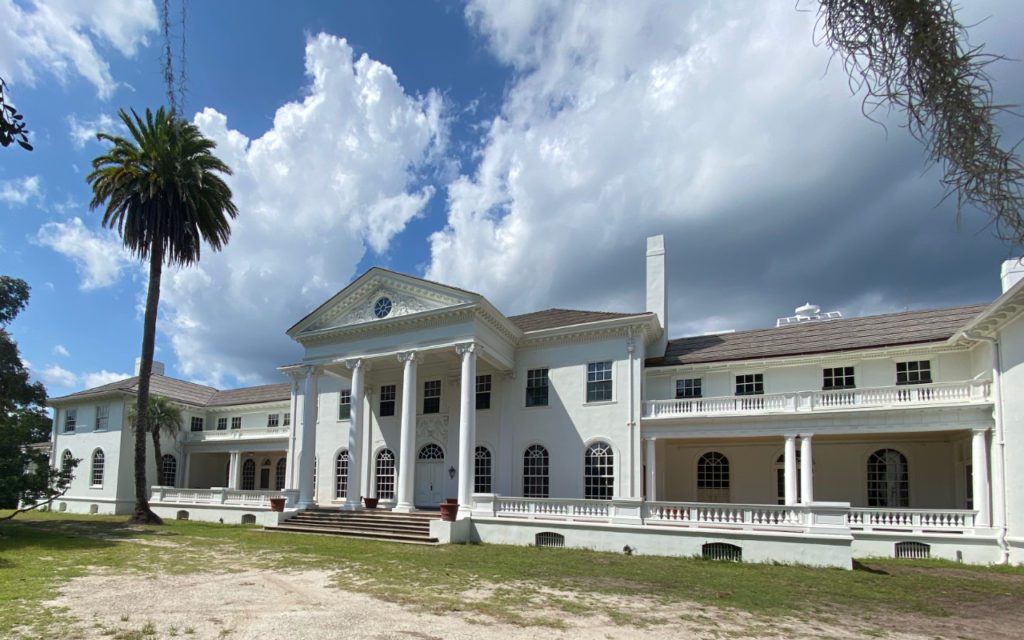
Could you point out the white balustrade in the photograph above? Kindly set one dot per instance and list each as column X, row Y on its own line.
column 219, row 495
column 552, row 509
column 743, row 516
column 239, row 434
column 911, row 520
column 942, row 393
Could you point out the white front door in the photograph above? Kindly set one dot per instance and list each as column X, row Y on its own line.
column 429, row 476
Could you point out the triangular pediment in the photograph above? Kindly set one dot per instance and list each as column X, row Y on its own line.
column 380, row 295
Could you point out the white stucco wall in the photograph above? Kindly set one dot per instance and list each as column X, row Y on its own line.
column 1012, row 355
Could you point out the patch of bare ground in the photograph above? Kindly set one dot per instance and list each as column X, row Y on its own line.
column 305, row 606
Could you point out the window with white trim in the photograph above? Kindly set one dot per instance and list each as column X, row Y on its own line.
column 196, row 424
column 102, row 417
column 482, row 471
column 432, row 396
column 273, row 420
column 888, row 479
column 483, row 391
column 750, row 384
column 386, row 474
column 713, row 477
column 387, row 400
column 689, row 388
column 536, row 483
column 66, row 462
column 249, row 475
column 236, row 422
column 279, row 474
column 345, row 404
column 222, row 424
column 837, row 378
column 599, row 472
column 341, row 475
column 599, row 381
column 70, row 420
column 537, row 387
column 287, row 421
column 168, row 470
column 98, row 460
column 914, row 372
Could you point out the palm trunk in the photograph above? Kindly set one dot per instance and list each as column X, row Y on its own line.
column 157, row 453
column 143, row 514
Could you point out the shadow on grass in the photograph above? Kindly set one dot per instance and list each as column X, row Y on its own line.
column 67, row 535
column 860, row 566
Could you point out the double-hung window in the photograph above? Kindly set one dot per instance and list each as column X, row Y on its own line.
column 102, row 417
column 914, row 372
column 387, row 400
column 273, row 420
column 236, row 422
column 483, row 394
column 537, row 388
column 287, row 420
column 432, row 396
column 837, row 378
column 196, row 424
column 222, row 424
column 345, row 404
column 688, row 388
column 750, row 384
column 70, row 420
column 599, row 381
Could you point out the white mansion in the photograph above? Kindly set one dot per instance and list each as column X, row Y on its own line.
column 816, row 441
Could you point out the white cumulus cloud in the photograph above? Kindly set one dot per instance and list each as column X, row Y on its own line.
column 65, row 37
column 337, row 173
column 99, row 378
column 61, row 350
column 57, row 376
column 99, row 255
column 83, row 131
column 20, row 190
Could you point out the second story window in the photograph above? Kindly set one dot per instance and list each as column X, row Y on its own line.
column 273, row 420
column 599, row 381
column 287, row 420
column 70, row 420
column 915, row 372
column 236, row 422
column 387, row 400
column 750, row 384
column 102, row 417
column 837, row 378
column 432, row 396
column 689, row 388
column 483, row 393
column 222, row 424
column 197, row 423
column 537, row 388
column 345, row 405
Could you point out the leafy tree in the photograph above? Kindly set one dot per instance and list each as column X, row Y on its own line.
column 12, row 125
column 25, row 473
column 164, row 194
column 914, row 56
column 164, row 416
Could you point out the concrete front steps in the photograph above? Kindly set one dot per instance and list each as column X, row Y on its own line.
column 374, row 524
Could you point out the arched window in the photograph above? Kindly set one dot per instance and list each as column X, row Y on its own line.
column 431, row 452
column 386, row 474
column 780, row 478
column 482, row 467
column 168, row 470
column 249, row 475
column 535, row 472
column 279, row 474
column 599, row 472
column 888, row 479
column 97, row 468
column 66, row 460
column 341, row 474
column 713, row 478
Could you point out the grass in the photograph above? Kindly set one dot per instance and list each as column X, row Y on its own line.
column 40, row 551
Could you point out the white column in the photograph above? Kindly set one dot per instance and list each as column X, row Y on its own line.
column 979, row 477
column 233, row 461
column 790, row 470
column 806, row 470
column 355, row 436
column 307, row 442
column 652, row 475
column 185, row 471
column 467, row 426
column 406, row 454
column 367, row 452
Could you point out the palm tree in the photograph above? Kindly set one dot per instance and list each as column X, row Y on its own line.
column 164, row 194
column 164, row 416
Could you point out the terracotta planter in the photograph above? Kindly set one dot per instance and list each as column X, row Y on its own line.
column 451, row 501
column 449, row 510
column 370, row 503
column 277, row 504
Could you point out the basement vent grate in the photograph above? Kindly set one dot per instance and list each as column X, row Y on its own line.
column 913, row 550
column 94, row 509
column 248, row 519
column 182, row 515
column 721, row 551
column 550, row 539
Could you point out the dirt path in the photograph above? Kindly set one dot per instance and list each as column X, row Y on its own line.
column 303, row 605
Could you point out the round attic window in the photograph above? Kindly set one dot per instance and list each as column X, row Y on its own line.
column 382, row 308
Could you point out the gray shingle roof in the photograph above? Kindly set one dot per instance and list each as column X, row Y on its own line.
column 910, row 327
column 553, row 318
column 188, row 392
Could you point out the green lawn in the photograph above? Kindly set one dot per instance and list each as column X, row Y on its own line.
column 39, row 551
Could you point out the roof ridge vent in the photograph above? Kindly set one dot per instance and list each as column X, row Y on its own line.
column 808, row 313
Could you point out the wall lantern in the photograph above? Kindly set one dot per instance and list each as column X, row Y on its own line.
column 451, row 473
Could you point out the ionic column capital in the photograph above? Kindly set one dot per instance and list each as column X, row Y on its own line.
column 468, row 348
column 357, row 363
column 978, row 431
column 407, row 357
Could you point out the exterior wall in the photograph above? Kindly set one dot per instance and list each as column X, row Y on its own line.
column 1011, row 344
column 114, row 496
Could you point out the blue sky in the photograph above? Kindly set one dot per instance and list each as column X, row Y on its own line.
column 523, row 150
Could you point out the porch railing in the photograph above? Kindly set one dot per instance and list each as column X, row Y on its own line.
column 220, row 496
column 941, row 393
column 239, row 434
column 552, row 509
column 911, row 520
column 732, row 515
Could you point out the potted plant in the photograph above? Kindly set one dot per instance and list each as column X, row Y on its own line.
column 370, row 503
column 277, row 504
column 449, row 509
